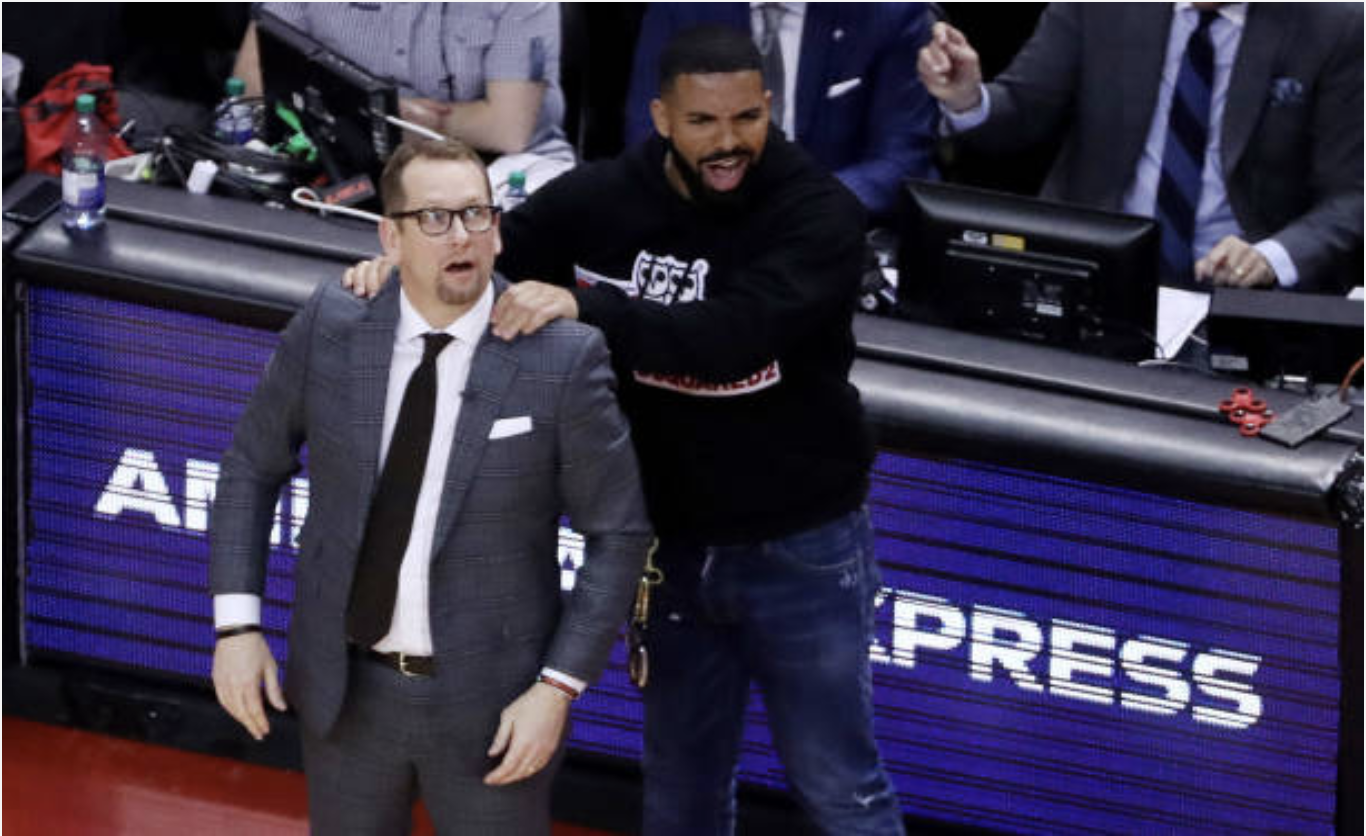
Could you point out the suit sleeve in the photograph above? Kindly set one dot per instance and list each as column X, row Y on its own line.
column 1322, row 241
column 805, row 272
column 1035, row 97
column 901, row 118
column 263, row 455
column 599, row 484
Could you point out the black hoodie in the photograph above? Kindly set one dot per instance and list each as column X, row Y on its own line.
column 730, row 329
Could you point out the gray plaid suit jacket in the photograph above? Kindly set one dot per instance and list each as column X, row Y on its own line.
column 497, row 613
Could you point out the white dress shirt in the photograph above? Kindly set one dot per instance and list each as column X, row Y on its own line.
column 1214, row 218
column 790, row 41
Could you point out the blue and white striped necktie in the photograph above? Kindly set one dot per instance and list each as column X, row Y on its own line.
column 1183, row 157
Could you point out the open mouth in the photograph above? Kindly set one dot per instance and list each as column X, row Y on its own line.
column 724, row 174
column 458, row 268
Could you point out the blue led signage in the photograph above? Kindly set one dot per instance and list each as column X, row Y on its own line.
column 1051, row 656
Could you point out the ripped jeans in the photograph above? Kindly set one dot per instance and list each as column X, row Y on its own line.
column 795, row 615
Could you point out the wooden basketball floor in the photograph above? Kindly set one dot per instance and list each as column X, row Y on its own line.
column 59, row 780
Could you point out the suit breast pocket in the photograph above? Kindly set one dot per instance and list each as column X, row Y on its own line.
column 518, row 446
column 844, row 90
column 516, row 476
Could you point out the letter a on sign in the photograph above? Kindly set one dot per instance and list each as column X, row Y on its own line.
column 137, row 485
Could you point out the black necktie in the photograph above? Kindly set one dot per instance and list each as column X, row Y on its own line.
column 1183, row 156
column 390, row 524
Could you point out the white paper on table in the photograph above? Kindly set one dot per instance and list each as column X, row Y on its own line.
column 1179, row 312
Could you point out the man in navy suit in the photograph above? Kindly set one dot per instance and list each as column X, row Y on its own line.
column 1279, row 202
column 854, row 102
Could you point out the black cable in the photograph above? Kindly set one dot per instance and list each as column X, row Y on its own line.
column 164, row 152
column 183, row 147
column 208, row 148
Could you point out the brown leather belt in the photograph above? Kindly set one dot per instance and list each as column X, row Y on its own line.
column 405, row 663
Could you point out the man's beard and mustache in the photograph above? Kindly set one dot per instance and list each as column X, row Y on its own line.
column 705, row 195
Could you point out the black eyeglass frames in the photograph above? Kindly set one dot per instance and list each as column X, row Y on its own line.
column 435, row 221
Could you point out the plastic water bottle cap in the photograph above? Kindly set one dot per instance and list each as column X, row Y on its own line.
column 236, row 86
column 85, row 103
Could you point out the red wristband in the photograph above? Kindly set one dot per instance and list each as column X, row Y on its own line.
column 562, row 687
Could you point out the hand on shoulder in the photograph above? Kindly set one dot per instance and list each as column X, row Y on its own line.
column 366, row 278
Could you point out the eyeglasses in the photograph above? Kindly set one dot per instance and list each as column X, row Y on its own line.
column 436, row 222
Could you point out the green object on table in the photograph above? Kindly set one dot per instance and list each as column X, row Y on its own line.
column 298, row 144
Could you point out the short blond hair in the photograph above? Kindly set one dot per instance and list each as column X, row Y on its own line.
column 391, row 181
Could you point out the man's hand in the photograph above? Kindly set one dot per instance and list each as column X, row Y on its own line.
column 950, row 69
column 525, row 308
column 366, row 278
column 529, row 733
column 242, row 666
column 1236, row 263
column 429, row 113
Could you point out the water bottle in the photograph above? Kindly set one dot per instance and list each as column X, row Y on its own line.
column 234, row 121
column 83, row 152
column 516, row 190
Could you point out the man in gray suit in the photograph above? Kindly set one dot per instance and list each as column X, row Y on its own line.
column 428, row 635
column 1276, row 191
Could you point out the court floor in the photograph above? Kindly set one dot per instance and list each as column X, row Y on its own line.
column 60, row 781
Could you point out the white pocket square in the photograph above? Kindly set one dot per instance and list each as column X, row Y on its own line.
column 837, row 90
column 507, row 427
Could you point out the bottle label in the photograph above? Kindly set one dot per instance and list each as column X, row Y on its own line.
column 82, row 189
column 235, row 124
column 244, row 124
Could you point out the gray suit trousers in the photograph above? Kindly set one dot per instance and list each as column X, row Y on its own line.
column 396, row 739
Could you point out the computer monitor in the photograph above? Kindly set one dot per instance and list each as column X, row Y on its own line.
column 342, row 105
column 1033, row 269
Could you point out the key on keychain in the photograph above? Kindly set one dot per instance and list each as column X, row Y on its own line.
column 638, row 665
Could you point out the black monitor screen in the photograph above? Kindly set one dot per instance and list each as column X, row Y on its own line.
column 341, row 105
column 1021, row 267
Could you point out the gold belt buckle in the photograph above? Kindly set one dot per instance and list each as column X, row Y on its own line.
column 403, row 666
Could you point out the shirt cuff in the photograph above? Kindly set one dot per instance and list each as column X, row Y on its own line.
column 577, row 684
column 235, row 610
column 966, row 120
column 1286, row 274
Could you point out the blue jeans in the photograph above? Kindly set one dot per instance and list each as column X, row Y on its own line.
column 796, row 615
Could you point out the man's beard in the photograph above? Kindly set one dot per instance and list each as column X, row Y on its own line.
column 700, row 192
